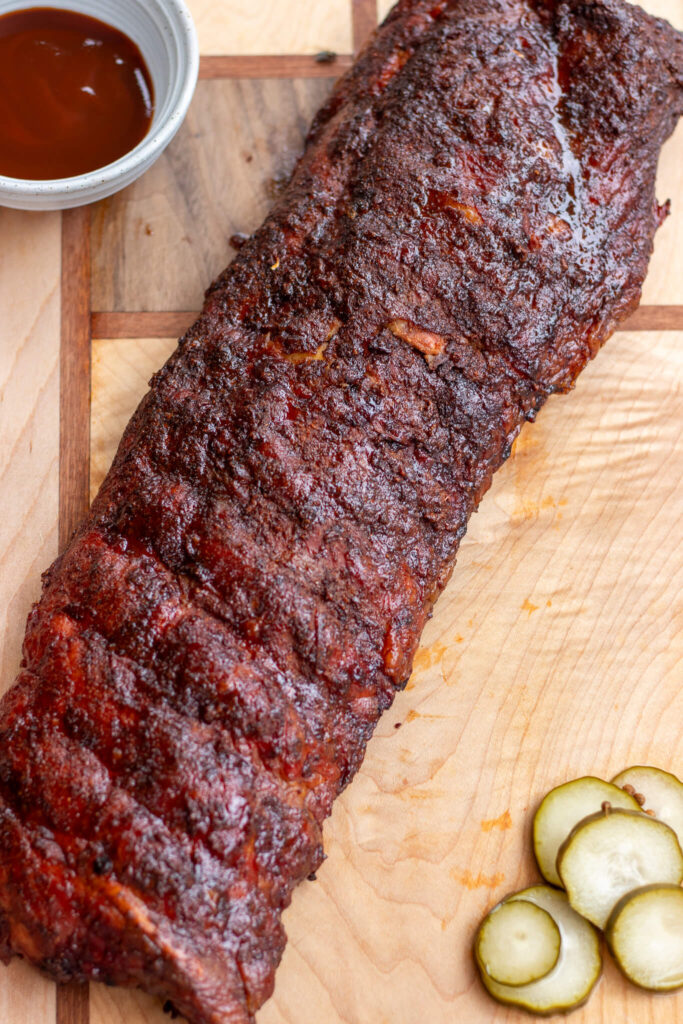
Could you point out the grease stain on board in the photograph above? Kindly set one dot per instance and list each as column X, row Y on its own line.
column 526, row 509
column 425, row 659
column 413, row 716
column 478, row 881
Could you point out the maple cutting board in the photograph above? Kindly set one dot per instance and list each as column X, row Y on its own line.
column 557, row 648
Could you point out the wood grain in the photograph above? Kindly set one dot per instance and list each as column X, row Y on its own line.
column 272, row 26
column 556, row 650
column 29, row 450
column 158, row 244
column 118, row 1006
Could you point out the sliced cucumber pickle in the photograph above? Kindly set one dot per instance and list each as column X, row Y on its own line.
column 570, row 981
column 660, row 792
column 560, row 811
column 613, row 852
column 517, row 943
column 645, row 935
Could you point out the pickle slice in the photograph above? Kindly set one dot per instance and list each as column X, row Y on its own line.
column 645, row 935
column 517, row 943
column 613, row 852
column 661, row 791
column 578, row 966
column 562, row 808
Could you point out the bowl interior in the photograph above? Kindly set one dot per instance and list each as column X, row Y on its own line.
column 164, row 32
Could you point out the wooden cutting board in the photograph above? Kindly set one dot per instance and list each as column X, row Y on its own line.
column 557, row 649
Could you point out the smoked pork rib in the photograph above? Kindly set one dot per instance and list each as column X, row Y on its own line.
column 473, row 215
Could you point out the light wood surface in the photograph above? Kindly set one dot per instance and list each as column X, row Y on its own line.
column 557, row 648
column 121, row 370
column 663, row 283
column 29, row 478
column 672, row 10
column 272, row 26
column 29, row 418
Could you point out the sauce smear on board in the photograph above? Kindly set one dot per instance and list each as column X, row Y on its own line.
column 75, row 94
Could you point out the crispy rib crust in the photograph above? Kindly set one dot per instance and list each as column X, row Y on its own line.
column 473, row 215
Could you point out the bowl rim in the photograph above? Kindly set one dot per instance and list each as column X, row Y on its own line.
column 153, row 143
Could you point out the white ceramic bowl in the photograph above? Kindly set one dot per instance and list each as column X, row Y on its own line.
column 165, row 33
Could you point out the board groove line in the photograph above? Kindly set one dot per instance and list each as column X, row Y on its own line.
column 169, row 324
column 363, row 21
column 74, row 368
column 324, row 65
column 72, row 1001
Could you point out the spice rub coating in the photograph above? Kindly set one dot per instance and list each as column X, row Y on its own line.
column 472, row 216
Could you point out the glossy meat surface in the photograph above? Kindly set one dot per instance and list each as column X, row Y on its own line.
column 473, row 215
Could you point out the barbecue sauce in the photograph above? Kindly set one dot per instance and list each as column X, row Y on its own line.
column 75, row 94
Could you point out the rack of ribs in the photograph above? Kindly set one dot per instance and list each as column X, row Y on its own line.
column 472, row 216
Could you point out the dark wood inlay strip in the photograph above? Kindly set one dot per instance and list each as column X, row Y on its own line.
column 73, row 1004
column 173, row 325
column 275, row 66
column 74, row 399
column 141, row 325
column 364, row 15
column 654, row 318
